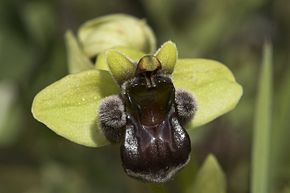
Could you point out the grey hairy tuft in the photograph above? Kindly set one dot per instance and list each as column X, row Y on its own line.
column 112, row 118
column 185, row 104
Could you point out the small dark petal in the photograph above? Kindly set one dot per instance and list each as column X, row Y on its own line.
column 112, row 118
column 185, row 104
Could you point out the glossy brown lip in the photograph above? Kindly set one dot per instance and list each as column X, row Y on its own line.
column 148, row 118
column 156, row 146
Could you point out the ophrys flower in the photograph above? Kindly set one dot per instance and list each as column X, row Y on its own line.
column 145, row 102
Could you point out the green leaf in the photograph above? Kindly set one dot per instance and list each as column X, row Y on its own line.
column 167, row 55
column 212, row 84
column 210, row 178
column 77, row 60
column 262, row 126
column 69, row 106
column 121, row 67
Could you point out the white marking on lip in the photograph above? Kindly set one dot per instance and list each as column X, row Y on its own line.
column 179, row 133
column 131, row 144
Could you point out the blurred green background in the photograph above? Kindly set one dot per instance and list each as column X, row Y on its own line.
column 32, row 55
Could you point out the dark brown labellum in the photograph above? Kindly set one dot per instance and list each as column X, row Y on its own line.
column 155, row 145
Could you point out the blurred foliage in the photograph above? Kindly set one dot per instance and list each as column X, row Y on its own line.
column 32, row 54
column 263, row 125
column 210, row 178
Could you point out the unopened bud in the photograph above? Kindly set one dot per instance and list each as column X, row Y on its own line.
column 117, row 30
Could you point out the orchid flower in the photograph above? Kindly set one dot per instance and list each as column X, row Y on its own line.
column 146, row 100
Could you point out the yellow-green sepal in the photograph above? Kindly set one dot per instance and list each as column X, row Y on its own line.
column 121, row 67
column 167, row 55
column 69, row 106
column 211, row 83
column 133, row 54
column 77, row 60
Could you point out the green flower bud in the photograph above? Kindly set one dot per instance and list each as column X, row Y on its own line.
column 117, row 30
column 125, row 33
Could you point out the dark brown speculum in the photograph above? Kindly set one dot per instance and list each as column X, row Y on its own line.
column 155, row 144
